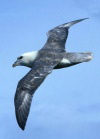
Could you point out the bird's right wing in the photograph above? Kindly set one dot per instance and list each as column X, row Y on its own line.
column 28, row 85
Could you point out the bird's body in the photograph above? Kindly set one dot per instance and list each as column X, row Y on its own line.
column 42, row 64
column 69, row 59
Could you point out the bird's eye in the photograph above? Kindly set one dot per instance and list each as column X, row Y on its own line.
column 20, row 57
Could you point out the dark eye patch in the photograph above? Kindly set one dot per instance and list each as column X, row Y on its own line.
column 20, row 57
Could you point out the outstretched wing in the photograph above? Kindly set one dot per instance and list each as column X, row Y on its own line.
column 59, row 34
column 28, row 85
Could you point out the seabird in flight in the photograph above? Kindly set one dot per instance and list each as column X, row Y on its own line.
column 47, row 58
column 70, row 59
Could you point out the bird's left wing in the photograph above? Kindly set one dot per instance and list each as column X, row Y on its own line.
column 59, row 34
column 28, row 85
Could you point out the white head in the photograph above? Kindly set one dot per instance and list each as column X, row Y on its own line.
column 26, row 59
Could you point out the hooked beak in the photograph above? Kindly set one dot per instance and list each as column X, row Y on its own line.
column 16, row 63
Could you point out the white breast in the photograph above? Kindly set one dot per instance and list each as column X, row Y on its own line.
column 65, row 61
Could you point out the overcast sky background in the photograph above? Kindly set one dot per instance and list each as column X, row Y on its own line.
column 67, row 104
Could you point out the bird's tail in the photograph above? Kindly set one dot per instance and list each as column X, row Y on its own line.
column 69, row 24
column 71, row 59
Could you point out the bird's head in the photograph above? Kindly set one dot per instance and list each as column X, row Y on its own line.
column 26, row 59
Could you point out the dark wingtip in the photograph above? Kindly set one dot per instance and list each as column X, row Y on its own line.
column 76, row 21
column 23, row 128
column 21, row 121
column 69, row 24
column 83, row 19
column 21, row 125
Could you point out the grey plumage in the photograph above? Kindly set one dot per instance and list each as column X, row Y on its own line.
column 48, row 58
column 74, row 59
column 69, row 59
